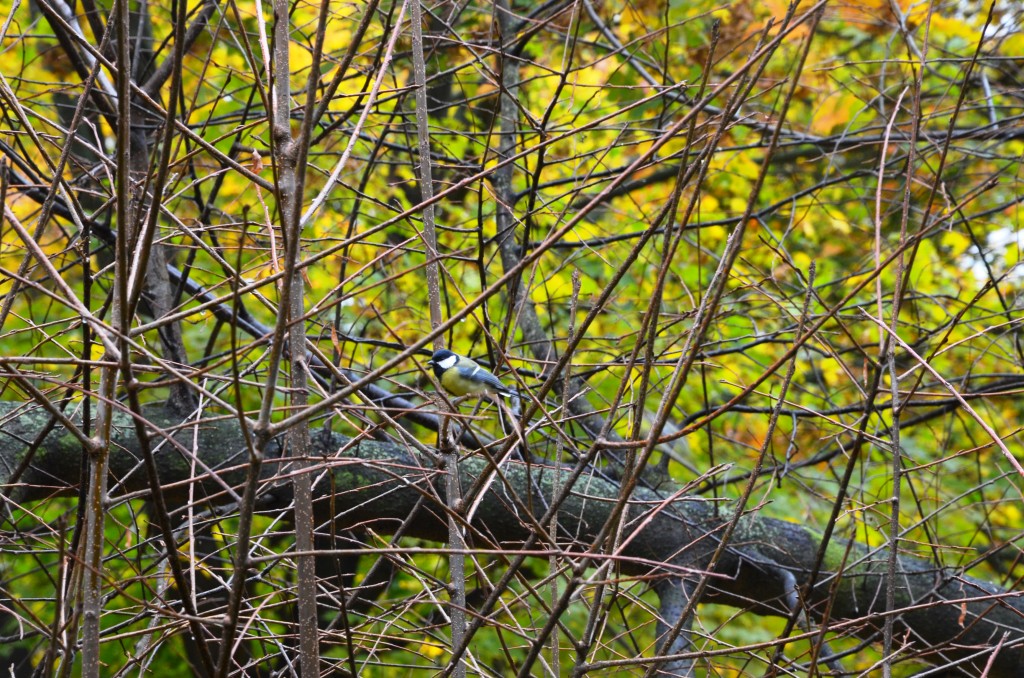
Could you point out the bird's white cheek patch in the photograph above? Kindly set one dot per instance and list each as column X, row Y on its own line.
column 448, row 362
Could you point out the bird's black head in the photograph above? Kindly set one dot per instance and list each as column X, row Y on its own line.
column 441, row 361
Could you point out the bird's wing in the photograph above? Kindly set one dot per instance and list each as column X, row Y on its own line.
column 480, row 374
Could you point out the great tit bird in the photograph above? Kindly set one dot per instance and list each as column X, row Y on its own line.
column 461, row 376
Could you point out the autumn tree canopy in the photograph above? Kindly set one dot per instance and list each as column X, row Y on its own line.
column 753, row 269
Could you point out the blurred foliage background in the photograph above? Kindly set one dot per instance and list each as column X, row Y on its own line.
column 896, row 176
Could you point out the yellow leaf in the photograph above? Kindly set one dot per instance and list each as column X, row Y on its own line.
column 431, row 650
column 834, row 113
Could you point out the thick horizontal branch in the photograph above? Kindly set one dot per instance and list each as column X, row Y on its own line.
column 947, row 615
